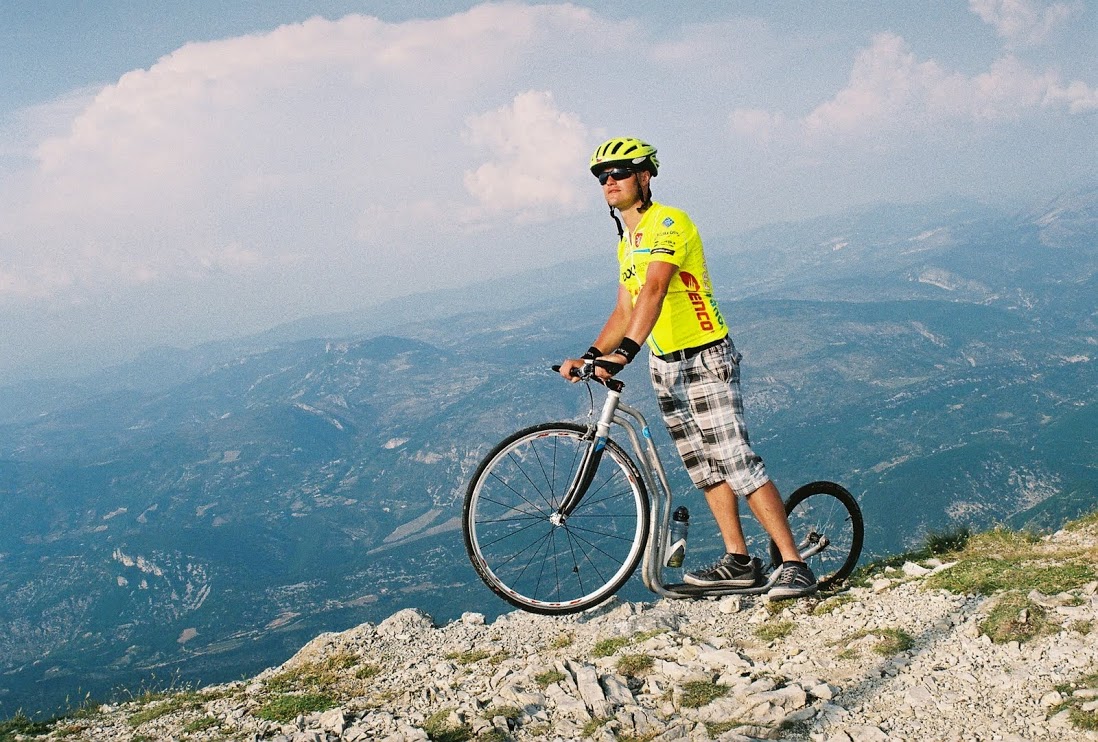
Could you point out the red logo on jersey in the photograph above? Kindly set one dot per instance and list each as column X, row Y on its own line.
column 696, row 300
column 637, row 239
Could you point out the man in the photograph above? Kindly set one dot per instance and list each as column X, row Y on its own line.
column 665, row 297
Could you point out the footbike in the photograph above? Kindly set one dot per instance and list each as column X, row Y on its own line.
column 558, row 516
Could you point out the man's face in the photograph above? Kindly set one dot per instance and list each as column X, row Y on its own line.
column 622, row 188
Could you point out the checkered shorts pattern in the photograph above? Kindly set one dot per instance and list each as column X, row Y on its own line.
column 702, row 406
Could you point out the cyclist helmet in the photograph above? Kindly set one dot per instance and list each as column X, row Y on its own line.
column 625, row 151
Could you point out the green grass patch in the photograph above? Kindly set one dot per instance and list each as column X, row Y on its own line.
column 439, row 728
column 1080, row 719
column 769, row 632
column 287, row 707
column 367, row 671
column 945, row 542
column 698, row 693
column 562, row 641
column 608, row 647
column 21, row 724
column 832, row 604
column 313, row 676
column 162, row 704
column 1014, row 617
column 201, row 725
column 547, row 678
column 632, row 665
column 593, row 725
column 510, row 713
column 889, row 642
column 469, row 657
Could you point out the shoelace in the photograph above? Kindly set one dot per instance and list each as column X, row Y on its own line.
column 788, row 576
column 719, row 563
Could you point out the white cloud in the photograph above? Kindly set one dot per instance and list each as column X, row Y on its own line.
column 247, row 153
column 1024, row 22
column 534, row 148
column 891, row 93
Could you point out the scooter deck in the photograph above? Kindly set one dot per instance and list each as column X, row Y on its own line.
column 697, row 591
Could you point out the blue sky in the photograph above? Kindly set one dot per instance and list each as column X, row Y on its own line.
column 172, row 173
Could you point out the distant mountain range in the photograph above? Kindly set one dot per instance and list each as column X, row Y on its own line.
column 199, row 514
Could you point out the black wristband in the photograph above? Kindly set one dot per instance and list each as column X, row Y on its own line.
column 591, row 354
column 628, row 348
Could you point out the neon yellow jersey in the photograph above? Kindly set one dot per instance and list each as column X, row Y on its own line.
column 689, row 317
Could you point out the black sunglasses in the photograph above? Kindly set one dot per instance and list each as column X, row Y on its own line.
column 619, row 174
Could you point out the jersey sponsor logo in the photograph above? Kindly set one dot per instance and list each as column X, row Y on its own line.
column 668, row 222
column 630, row 273
column 701, row 310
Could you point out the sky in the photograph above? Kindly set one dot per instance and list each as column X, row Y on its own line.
column 174, row 173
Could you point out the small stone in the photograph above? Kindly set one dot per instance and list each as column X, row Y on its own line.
column 1051, row 699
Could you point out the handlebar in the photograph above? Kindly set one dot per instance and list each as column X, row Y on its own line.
column 586, row 372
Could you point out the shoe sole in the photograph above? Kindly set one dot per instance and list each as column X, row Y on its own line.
column 780, row 594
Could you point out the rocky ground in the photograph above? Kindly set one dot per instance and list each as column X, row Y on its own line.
column 897, row 659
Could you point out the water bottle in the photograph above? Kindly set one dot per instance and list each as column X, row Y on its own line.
column 680, row 524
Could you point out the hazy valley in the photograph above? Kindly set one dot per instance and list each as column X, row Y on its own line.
column 202, row 514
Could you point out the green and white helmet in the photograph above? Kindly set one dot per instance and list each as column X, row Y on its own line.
column 628, row 151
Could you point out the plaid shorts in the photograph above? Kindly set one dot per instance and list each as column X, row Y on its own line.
column 702, row 407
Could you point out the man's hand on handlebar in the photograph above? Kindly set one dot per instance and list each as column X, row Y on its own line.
column 602, row 368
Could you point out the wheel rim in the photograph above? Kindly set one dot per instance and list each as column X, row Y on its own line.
column 529, row 555
column 819, row 512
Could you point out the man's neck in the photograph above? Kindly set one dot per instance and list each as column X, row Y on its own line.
column 632, row 217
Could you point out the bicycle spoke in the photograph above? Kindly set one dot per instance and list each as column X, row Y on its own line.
column 520, row 550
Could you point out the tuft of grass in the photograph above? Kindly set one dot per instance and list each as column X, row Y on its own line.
column 632, row 665
column 1081, row 627
column 889, row 642
column 440, row 729
column 367, row 671
column 547, row 678
column 831, row 604
column 510, row 713
column 286, row 707
column 769, row 632
column 698, row 693
column 494, row 735
column 201, row 725
column 1015, row 617
column 717, row 728
column 1080, row 719
column 946, row 542
column 469, row 657
column 593, row 725
column 562, row 641
column 162, row 704
column 314, row 676
column 893, row 641
column 21, row 725
column 607, row 647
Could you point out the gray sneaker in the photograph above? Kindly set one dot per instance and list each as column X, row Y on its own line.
column 794, row 581
column 726, row 573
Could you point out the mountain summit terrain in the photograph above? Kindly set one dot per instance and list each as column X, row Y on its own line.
column 992, row 639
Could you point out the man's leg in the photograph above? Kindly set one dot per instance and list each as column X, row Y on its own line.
column 766, row 504
column 726, row 511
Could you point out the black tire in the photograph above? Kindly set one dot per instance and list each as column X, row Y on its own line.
column 825, row 509
column 535, row 563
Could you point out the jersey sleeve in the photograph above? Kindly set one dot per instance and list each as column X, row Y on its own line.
column 670, row 239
